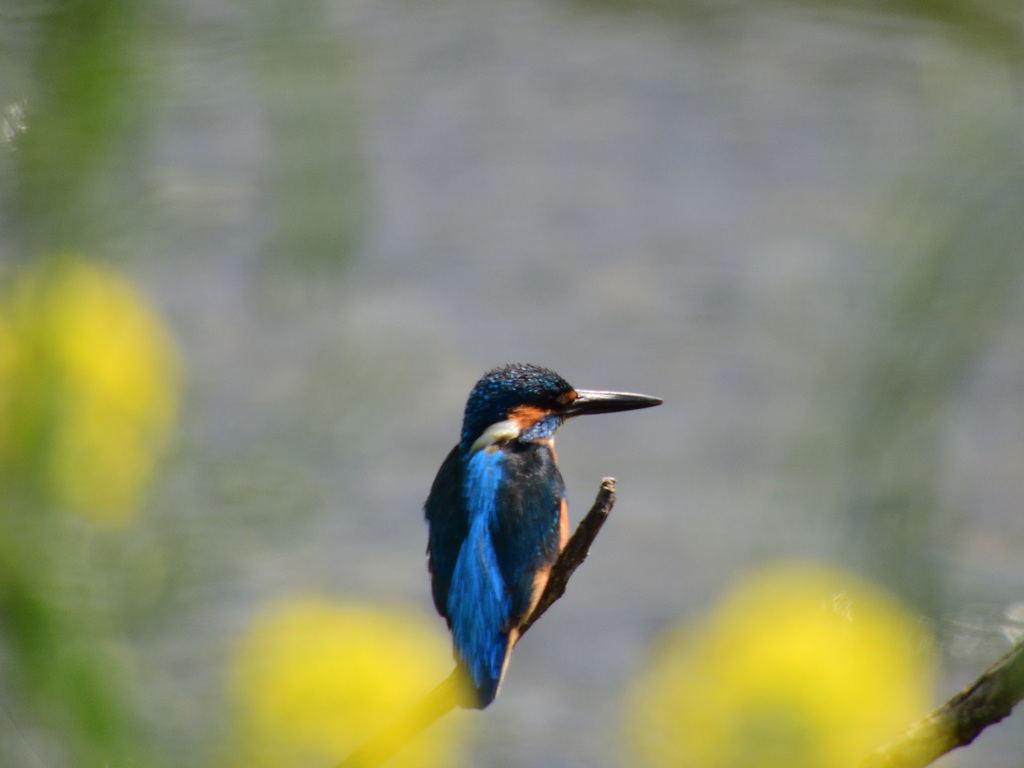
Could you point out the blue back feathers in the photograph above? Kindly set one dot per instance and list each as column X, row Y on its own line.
column 478, row 603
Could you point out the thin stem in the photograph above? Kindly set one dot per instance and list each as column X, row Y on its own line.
column 956, row 723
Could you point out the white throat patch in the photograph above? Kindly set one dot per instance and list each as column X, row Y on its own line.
column 495, row 434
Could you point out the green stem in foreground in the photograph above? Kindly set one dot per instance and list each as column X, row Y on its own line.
column 956, row 723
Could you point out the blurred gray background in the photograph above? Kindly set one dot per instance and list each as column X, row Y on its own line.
column 799, row 223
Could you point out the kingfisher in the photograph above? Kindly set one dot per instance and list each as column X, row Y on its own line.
column 497, row 513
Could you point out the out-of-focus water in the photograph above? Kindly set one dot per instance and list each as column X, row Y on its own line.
column 687, row 204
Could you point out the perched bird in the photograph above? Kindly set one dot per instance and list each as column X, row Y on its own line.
column 497, row 512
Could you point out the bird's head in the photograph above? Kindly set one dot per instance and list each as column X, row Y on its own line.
column 528, row 403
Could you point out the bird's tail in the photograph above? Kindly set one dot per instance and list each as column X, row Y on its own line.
column 479, row 692
column 478, row 611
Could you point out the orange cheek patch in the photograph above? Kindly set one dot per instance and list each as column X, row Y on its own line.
column 525, row 416
column 551, row 444
column 563, row 525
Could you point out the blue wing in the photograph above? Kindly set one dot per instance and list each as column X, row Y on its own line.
column 512, row 497
column 448, row 522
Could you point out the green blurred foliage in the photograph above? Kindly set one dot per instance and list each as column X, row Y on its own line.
column 88, row 377
column 89, row 383
column 939, row 290
column 947, row 275
column 82, row 98
column 319, row 206
column 70, row 102
column 942, row 279
column 989, row 25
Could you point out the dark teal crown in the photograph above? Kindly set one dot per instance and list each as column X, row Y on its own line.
column 504, row 388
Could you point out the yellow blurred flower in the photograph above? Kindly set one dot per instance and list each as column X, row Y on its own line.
column 313, row 680
column 8, row 366
column 91, row 377
column 798, row 667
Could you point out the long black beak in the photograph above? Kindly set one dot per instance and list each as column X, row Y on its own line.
column 591, row 401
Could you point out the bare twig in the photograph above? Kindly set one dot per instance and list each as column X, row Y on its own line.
column 956, row 723
column 445, row 697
